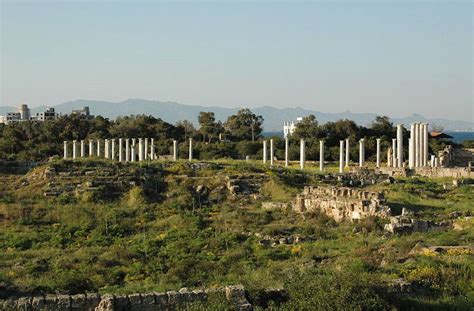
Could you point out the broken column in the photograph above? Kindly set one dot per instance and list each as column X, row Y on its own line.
column 65, row 150
column 400, row 145
column 271, row 152
column 264, row 152
column 321, row 155
column 347, row 152
column 377, row 164
column 286, row 152
column 302, row 153
column 389, row 157
column 410, row 153
column 361, row 152
column 341, row 156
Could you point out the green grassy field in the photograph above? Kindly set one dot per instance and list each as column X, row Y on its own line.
column 138, row 243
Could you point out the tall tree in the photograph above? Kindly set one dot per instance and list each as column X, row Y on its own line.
column 245, row 125
column 307, row 128
column 208, row 126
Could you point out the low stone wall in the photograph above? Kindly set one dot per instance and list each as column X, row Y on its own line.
column 150, row 301
column 342, row 203
column 436, row 172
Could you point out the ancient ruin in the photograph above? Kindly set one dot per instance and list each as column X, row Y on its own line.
column 341, row 203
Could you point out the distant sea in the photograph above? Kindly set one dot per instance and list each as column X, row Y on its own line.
column 458, row 137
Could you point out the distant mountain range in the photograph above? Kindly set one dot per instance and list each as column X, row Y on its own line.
column 274, row 117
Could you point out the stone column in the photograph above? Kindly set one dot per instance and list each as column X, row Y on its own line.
column 411, row 148
column 321, row 155
column 302, row 153
column 106, row 149
column 394, row 152
column 400, row 145
column 140, row 149
column 91, row 148
column 347, row 152
column 190, row 149
column 127, row 150
column 83, row 149
column 175, row 150
column 112, row 152
column 378, row 153
column 152, row 149
column 74, row 149
column 361, row 152
column 410, row 153
column 389, row 157
column 133, row 154
column 418, row 145
column 432, row 160
column 98, row 148
column 425, row 144
column 271, row 152
column 341, row 156
column 286, row 152
column 145, row 156
column 65, row 150
column 120, row 150
column 264, row 152
column 436, row 162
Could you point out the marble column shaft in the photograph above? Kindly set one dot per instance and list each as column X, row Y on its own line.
column 264, row 152
column 361, row 152
column 190, row 149
column 347, row 152
column 321, row 155
column 65, row 150
column 120, row 150
column 341, row 156
column 377, row 164
column 83, row 149
column 127, row 149
column 302, row 153
column 272, row 156
column 175, row 150
column 286, row 152
column 400, row 145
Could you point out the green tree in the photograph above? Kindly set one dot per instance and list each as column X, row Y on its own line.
column 245, row 125
column 209, row 128
column 307, row 128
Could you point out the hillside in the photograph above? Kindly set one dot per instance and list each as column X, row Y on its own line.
column 274, row 117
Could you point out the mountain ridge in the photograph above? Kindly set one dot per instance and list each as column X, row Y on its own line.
column 274, row 117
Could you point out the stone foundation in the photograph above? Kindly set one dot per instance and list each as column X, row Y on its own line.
column 342, row 203
column 171, row 300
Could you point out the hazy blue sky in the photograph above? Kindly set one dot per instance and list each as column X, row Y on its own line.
column 390, row 57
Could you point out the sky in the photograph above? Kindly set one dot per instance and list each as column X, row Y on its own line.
column 387, row 57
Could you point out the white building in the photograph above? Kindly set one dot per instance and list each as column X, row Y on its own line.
column 290, row 126
column 23, row 114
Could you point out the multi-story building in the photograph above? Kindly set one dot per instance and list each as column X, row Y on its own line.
column 290, row 126
column 84, row 112
column 48, row 114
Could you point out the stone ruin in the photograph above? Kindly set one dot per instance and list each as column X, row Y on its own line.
column 405, row 223
column 342, row 203
column 171, row 300
column 455, row 157
column 246, row 185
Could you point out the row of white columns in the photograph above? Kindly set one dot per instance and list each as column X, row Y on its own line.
column 321, row 153
column 111, row 151
column 144, row 150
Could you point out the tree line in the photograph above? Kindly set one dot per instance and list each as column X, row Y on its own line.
column 239, row 136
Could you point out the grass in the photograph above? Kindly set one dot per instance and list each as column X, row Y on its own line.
column 137, row 242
